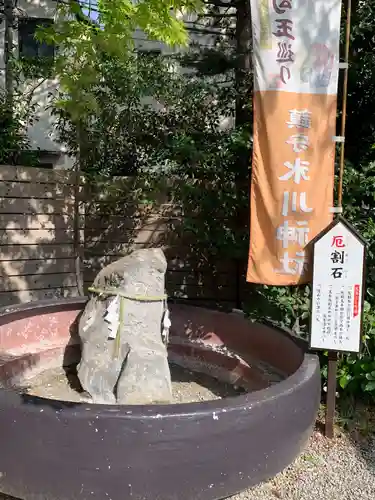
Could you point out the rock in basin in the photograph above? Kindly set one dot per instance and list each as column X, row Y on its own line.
column 195, row 451
column 132, row 366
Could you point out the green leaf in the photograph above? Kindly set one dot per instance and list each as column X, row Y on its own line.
column 370, row 386
column 344, row 380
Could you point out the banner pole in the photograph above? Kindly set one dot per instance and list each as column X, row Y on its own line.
column 332, row 359
column 344, row 101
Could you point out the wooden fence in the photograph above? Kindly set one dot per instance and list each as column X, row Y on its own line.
column 37, row 247
column 37, row 237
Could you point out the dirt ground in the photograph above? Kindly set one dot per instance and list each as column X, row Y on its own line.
column 187, row 386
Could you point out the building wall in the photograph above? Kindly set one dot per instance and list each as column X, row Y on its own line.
column 41, row 133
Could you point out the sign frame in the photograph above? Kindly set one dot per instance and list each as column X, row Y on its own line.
column 340, row 219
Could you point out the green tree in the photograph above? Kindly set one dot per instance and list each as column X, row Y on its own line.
column 83, row 40
column 360, row 132
column 14, row 143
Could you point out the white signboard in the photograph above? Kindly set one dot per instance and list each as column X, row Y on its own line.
column 336, row 313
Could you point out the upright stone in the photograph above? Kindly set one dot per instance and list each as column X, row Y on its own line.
column 135, row 370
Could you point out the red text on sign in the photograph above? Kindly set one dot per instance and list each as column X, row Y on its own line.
column 338, row 242
column 357, row 289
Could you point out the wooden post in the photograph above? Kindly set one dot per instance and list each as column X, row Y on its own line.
column 77, row 214
column 344, row 101
column 332, row 356
column 331, row 394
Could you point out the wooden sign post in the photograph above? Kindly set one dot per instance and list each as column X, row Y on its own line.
column 338, row 275
column 337, row 299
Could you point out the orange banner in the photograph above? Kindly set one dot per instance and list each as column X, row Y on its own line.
column 296, row 55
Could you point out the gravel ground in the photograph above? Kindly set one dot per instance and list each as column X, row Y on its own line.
column 338, row 469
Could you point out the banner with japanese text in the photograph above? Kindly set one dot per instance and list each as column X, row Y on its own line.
column 296, row 62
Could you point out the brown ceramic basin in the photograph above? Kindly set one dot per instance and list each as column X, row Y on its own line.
column 56, row 450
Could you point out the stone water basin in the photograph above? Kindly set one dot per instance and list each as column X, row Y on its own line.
column 210, row 450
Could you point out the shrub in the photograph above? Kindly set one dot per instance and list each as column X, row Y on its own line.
column 14, row 142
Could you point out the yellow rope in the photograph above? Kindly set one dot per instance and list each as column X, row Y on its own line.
column 139, row 298
column 116, row 351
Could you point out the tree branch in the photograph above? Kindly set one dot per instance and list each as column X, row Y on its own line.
column 30, row 92
column 222, row 15
column 210, row 32
column 221, row 3
column 76, row 8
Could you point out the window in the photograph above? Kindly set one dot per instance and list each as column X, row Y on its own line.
column 29, row 46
